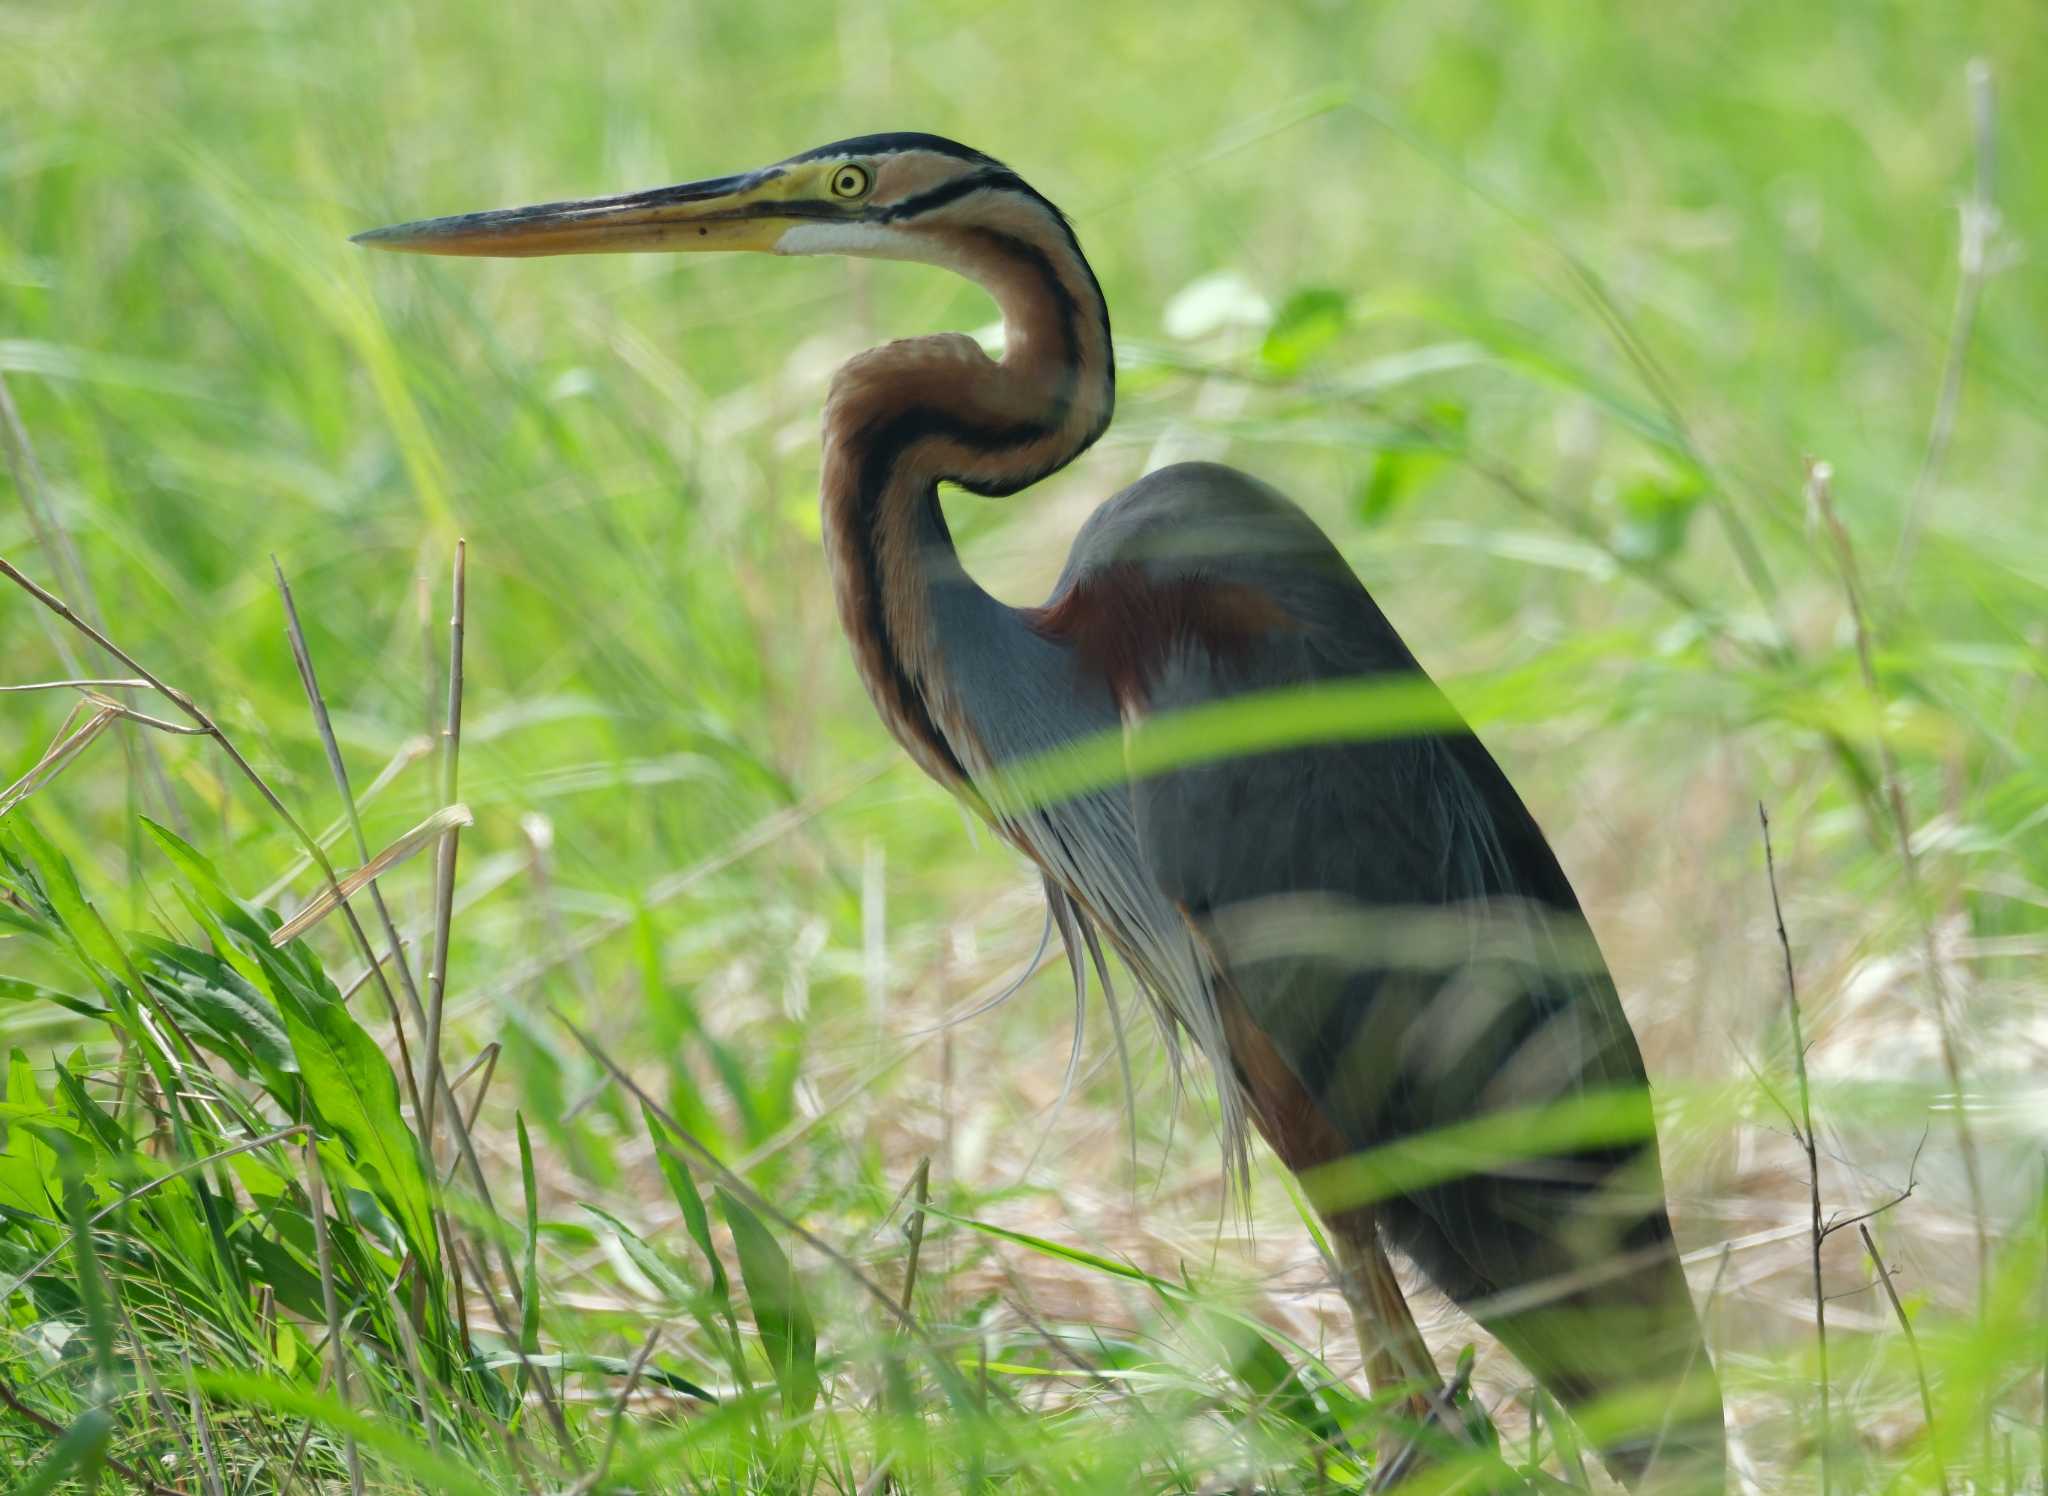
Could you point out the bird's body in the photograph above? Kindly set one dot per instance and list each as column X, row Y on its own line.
column 1363, row 931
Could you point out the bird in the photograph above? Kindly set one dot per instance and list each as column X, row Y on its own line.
column 1363, row 932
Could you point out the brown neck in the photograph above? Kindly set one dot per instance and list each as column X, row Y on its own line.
column 905, row 417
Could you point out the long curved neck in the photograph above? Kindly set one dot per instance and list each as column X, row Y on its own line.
column 903, row 418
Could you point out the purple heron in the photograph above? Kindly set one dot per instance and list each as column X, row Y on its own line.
column 1365, row 933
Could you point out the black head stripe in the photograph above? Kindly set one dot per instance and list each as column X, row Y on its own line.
column 893, row 143
column 948, row 192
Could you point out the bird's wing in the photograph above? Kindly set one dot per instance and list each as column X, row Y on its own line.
column 1389, row 921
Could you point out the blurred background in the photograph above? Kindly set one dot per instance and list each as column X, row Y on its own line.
column 1671, row 375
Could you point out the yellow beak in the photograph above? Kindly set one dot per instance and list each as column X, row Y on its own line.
column 747, row 212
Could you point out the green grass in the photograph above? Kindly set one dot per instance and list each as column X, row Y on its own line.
column 1541, row 309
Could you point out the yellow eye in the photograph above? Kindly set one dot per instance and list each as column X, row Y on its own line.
column 851, row 181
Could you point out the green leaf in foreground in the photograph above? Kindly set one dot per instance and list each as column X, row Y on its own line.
column 780, row 1309
column 698, row 1223
column 529, row 1272
column 1308, row 322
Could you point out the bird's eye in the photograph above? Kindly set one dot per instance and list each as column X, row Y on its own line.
column 851, row 181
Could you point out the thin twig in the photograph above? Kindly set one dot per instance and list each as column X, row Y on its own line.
column 302, row 656
column 444, row 867
column 921, row 1184
column 409, row 1343
column 1803, row 1131
column 56, row 756
column 409, row 752
column 1444, row 1406
column 596, row 1477
column 324, row 903
column 152, row 1384
column 1884, row 1276
column 1839, row 1222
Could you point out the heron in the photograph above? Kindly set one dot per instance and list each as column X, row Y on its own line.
column 1365, row 935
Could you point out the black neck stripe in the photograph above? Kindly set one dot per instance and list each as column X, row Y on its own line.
column 885, row 445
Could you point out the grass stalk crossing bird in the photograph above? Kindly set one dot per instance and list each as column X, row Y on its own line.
column 1368, row 939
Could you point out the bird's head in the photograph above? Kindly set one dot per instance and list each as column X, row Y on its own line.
column 903, row 196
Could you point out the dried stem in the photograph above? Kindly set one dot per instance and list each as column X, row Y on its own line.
column 1803, row 1131
column 209, row 1461
column 85, row 684
column 1820, row 494
column 438, row 1088
column 1884, row 1276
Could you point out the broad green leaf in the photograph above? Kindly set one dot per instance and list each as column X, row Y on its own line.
column 780, row 1310
column 215, row 1001
column 89, row 1118
column 28, row 1167
column 1274, row 1384
column 354, row 1092
column 15, row 921
column 1308, row 322
column 698, row 1224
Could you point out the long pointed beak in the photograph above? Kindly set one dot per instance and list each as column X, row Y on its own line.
column 749, row 212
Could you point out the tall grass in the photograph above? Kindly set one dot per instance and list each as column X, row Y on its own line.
column 1640, row 361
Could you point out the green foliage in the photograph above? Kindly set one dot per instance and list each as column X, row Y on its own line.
column 1308, row 323
column 1539, row 308
column 781, row 1312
